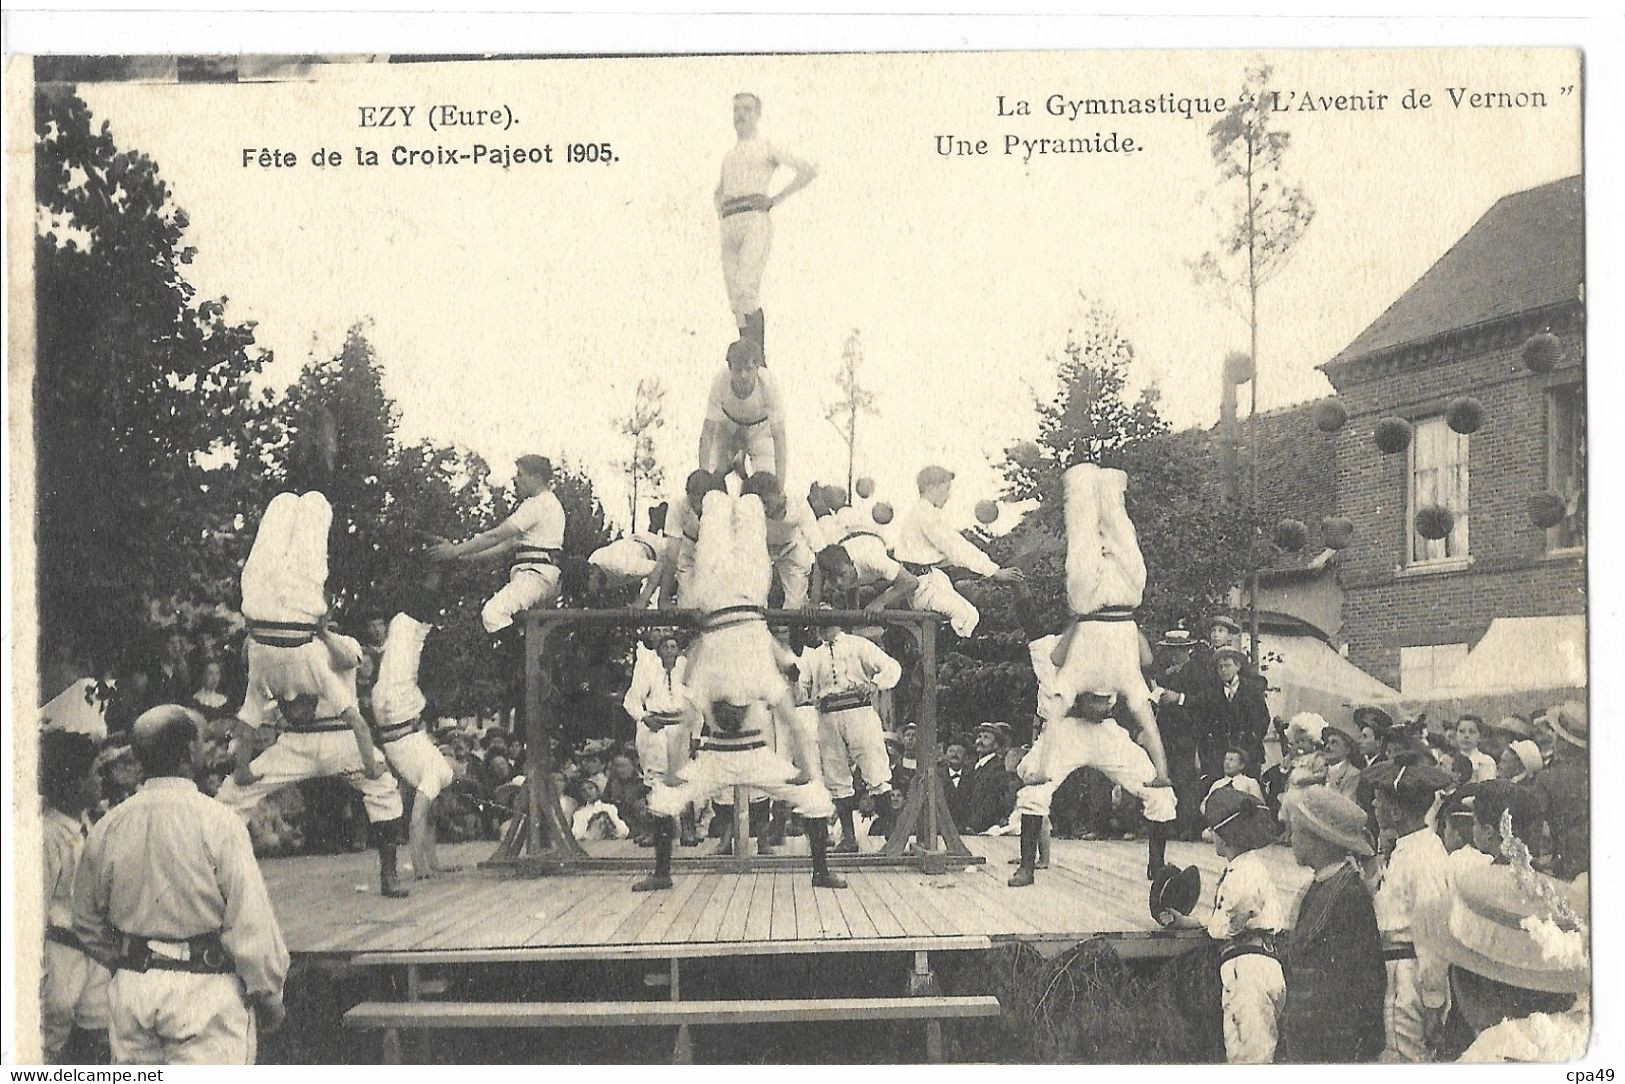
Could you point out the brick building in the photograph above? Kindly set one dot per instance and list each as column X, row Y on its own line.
column 1409, row 609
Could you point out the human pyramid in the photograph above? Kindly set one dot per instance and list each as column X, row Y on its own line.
column 748, row 710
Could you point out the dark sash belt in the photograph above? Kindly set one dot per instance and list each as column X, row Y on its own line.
column 744, row 424
column 1398, row 952
column 917, row 569
column 281, row 633
column 61, row 935
column 844, row 701
column 522, row 558
column 205, row 955
column 329, row 725
column 738, row 205
column 1108, row 613
column 729, row 616
column 397, row 731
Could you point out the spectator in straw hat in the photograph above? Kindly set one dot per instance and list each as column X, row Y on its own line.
column 1335, row 975
column 1247, row 918
column 1565, row 789
column 1515, row 943
column 1405, row 789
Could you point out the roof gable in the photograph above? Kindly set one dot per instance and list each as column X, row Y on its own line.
column 1526, row 252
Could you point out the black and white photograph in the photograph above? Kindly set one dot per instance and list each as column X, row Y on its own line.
column 1069, row 557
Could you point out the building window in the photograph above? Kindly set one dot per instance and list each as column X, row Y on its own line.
column 1425, row 670
column 1438, row 477
column 1566, row 463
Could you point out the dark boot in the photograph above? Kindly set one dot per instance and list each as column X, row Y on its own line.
column 849, row 831
column 724, row 822
column 885, row 815
column 1157, row 850
column 1031, row 826
column 385, row 836
column 389, row 882
column 773, row 836
column 661, row 877
column 818, row 841
column 691, row 832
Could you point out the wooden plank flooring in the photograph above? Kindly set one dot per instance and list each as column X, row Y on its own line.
column 330, row 905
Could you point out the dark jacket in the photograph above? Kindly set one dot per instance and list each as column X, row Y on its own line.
column 1565, row 791
column 990, row 797
column 1335, row 977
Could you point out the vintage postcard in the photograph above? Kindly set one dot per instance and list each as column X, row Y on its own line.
column 1025, row 557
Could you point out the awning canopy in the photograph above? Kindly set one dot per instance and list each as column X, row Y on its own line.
column 1522, row 654
column 1305, row 674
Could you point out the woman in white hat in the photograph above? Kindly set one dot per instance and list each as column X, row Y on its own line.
column 1517, row 945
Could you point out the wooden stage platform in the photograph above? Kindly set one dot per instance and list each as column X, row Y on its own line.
column 329, row 907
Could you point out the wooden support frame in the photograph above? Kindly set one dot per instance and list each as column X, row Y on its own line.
column 541, row 842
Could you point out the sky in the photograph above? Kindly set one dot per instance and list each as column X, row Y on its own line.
column 515, row 311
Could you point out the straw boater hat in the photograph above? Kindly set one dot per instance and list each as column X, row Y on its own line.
column 1177, row 638
column 1328, row 815
column 1224, row 619
column 1240, row 819
column 1000, row 731
column 1175, row 889
column 1568, row 721
column 1235, row 653
column 1509, row 925
column 1515, row 726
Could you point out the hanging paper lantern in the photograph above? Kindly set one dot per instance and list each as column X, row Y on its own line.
column 1542, row 352
column 1547, row 509
column 835, row 496
column 1330, row 415
column 1434, row 522
column 865, row 487
column 1465, row 415
column 882, row 513
column 1291, row 535
column 986, row 512
column 1393, row 435
column 1336, row 531
column 1238, row 368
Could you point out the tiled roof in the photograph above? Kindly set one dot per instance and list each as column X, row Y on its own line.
column 1526, row 253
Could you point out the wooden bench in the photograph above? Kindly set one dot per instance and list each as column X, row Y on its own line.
column 393, row 1016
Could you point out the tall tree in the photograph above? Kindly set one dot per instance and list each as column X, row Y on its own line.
column 855, row 402
column 142, row 403
column 648, row 414
column 1263, row 215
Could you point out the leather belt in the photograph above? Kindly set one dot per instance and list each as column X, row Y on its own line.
column 738, row 205
column 201, row 955
column 850, row 535
column 709, row 747
column 917, row 569
column 1257, row 943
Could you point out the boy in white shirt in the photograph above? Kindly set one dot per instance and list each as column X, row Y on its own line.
column 1247, row 918
column 1235, row 777
column 926, row 543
